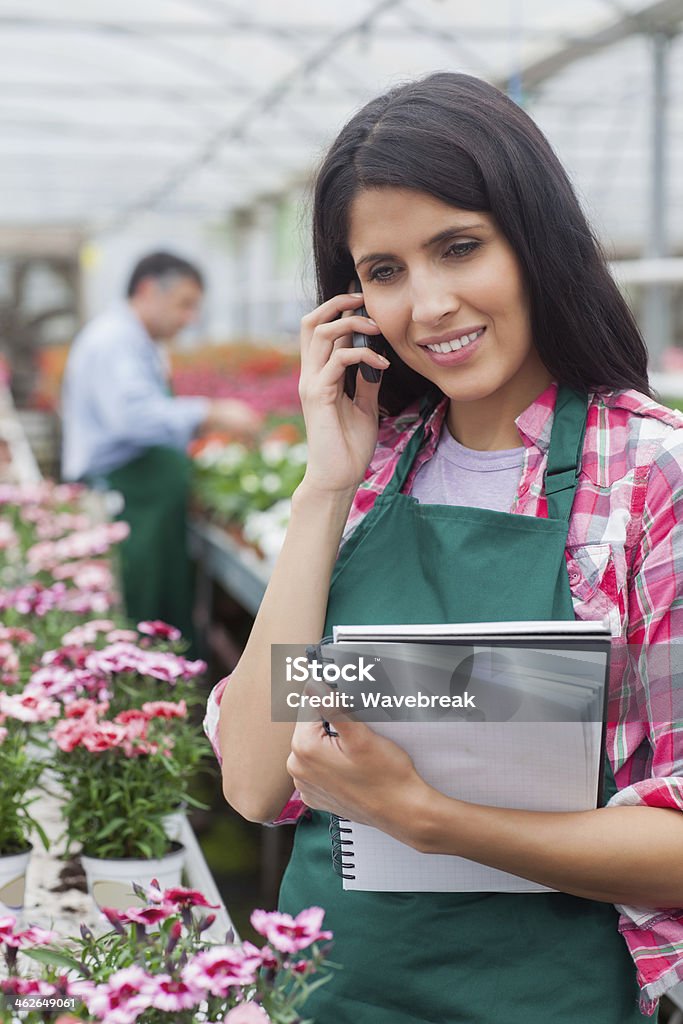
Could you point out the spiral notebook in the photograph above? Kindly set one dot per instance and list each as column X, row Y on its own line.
column 518, row 763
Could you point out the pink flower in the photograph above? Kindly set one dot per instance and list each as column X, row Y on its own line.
column 160, row 630
column 87, row 633
column 68, row 733
column 81, row 602
column 290, row 934
column 86, row 706
column 16, row 635
column 85, row 544
column 8, row 538
column 194, row 668
column 94, row 576
column 182, row 897
column 147, row 915
column 36, row 936
column 247, row 1013
column 161, row 665
column 170, row 995
column 26, row 707
column 104, row 736
column 69, row 656
column 121, row 636
column 23, row 986
column 118, row 657
column 7, row 935
column 165, row 709
column 32, row 936
column 133, row 716
column 221, row 968
column 122, row 999
column 9, row 663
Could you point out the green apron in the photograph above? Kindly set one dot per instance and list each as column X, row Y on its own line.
column 475, row 958
column 156, row 570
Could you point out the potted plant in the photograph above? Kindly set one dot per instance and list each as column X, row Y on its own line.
column 120, row 776
column 20, row 772
column 157, row 964
column 145, row 669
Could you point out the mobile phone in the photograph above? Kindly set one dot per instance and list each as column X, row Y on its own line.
column 372, row 341
column 368, row 373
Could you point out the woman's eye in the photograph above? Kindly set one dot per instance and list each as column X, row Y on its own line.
column 462, row 248
column 384, row 273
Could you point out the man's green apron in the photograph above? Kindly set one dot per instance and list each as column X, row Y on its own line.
column 157, row 577
column 476, row 958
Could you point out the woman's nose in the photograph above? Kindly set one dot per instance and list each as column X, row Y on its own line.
column 431, row 303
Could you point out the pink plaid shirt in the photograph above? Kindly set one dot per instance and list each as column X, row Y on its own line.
column 625, row 563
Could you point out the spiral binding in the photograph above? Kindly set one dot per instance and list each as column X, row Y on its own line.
column 340, row 855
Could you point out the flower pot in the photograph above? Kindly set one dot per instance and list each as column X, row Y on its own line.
column 173, row 823
column 13, row 868
column 110, row 882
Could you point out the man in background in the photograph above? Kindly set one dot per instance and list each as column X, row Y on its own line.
column 123, row 430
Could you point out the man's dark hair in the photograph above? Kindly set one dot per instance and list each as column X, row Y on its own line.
column 162, row 266
column 463, row 141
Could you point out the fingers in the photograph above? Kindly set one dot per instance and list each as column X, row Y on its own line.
column 366, row 396
column 330, row 310
column 335, row 367
column 324, row 336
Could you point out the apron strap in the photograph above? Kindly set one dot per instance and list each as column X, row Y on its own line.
column 564, row 455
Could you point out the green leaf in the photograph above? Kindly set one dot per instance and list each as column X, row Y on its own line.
column 52, row 957
column 111, row 826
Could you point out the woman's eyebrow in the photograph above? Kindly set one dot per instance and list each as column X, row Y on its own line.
column 457, row 229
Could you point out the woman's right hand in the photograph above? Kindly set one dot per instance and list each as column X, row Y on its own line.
column 342, row 433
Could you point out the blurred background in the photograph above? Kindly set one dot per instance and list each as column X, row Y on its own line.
column 196, row 126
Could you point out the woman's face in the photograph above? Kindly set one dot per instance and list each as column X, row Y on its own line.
column 447, row 291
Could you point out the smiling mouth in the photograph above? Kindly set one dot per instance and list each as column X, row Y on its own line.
column 456, row 343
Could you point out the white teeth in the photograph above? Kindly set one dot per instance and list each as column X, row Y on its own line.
column 453, row 346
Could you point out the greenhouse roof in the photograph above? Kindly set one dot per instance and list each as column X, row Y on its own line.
column 196, row 107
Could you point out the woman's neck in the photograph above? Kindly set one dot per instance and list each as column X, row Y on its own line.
column 488, row 424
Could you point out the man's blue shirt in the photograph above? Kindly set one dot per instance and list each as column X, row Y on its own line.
column 115, row 401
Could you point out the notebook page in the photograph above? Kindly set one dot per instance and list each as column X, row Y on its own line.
column 527, row 765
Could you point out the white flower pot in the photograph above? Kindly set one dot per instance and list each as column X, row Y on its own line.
column 173, row 824
column 110, row 882
column 13, row 879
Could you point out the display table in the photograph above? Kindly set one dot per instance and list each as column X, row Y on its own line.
column 236, row 568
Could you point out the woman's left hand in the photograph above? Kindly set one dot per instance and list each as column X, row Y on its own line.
column 355, row 774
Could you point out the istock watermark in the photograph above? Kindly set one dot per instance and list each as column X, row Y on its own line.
column 383, row 682
column 303, row 669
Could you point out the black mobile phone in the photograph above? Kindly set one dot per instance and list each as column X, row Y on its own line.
column 369, row 373
column 373, row 341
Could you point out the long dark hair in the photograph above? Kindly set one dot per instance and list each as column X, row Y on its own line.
column 464, row 142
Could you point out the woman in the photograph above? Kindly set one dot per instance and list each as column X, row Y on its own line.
column 501, row 323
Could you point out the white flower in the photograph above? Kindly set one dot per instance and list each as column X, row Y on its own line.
column 274, row 452
column 232, row 455
column 267, row 529
column 250, row 483
column 298, row 454
column 271, row 483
